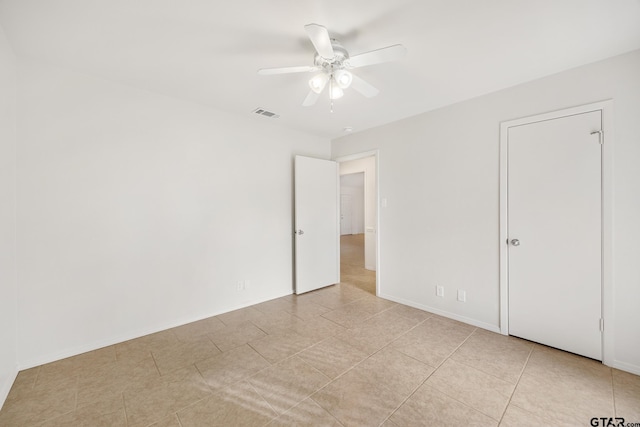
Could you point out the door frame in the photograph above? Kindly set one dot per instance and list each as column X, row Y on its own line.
column 606, row 107
column 376, row 155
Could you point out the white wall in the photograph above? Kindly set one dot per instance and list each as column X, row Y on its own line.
column 440, row 174
column 8, row 289
column 368, row 166
column 138, row 212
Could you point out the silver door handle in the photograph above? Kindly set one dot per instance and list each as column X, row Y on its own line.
column 515, row 242
column 299, row 232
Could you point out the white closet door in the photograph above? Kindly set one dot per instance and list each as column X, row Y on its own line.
column 555, row 233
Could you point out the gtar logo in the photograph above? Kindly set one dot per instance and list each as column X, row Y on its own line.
column 607, row 422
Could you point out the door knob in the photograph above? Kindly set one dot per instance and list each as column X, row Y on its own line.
column 515, row 242
column 299, row 232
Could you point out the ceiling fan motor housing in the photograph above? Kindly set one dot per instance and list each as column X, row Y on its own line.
column 339, row 60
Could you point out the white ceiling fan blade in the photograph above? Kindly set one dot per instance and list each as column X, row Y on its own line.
column 311, row 99
column 319, row 36
column 363, row 87
column 385, row 54
column 286, row 70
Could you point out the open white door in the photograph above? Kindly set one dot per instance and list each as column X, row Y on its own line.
column 317, row 219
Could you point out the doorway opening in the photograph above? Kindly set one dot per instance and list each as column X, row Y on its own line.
column 358, row 221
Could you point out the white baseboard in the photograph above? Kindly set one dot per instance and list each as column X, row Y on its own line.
column 6, row 387
column 41, row 360
column 627, row 367
column 623, row 366
column 95, row 345
column 459, row 318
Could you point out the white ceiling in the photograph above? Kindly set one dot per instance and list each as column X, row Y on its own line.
column 208, row 51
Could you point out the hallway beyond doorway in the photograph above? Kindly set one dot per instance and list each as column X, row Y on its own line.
column 352, row 269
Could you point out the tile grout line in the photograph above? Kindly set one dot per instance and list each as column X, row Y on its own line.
column 613, row 395
column 429, row 376
column 517, row 383
column 245, row 379
column 75, row 406
column 325, row 409
column 178, row 418
column 368, row 357
column 186, row 407
column 35, row 380
column 342, row 305
column 154, row 362
column 300, row 351
column 56, row 417
column 265, row 401
column 546, row 349
column 315, row 369
column 340, row 308
column 214, row 344
column 203, row 379
column 211, row 393
column 490, row 374
column 265, row 332
column 124, row 408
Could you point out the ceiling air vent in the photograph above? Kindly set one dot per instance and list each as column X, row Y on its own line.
column 266, row 113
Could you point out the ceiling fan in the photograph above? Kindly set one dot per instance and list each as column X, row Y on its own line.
column 333, row 64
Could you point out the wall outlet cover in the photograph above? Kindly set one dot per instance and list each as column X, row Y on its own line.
column 462, row 295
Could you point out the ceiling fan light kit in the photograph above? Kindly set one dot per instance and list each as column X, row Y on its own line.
column 335, row 91
column 318, row 82
column 333, row 63
column 343, row 78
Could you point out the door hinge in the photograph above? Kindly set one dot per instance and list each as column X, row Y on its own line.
column 600, row 135
column 601, row 324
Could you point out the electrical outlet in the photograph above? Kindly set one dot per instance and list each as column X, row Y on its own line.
column 440, row 291
column 240, row 286
column 462, row 295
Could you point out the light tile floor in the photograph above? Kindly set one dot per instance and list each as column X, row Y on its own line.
column 336, row 356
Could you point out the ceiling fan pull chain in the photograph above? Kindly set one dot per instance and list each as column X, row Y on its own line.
column 330, row 92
